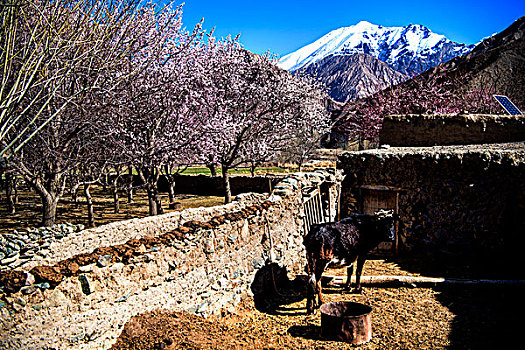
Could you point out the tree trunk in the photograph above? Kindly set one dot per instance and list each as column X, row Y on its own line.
column 74, row 193
column 159, row 202
column 116, row 201
column 2, row 183
column 171, row 191
column 89, row 202
column 213, row 168
column 152, row 201
column 49, row 209
column 130, row 184
column 9, row 193
column 226, row 182
column 105, row 182
column 15, row 189
column 150, row 177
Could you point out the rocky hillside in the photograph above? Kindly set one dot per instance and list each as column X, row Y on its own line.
column 350, row 77
column 496, row 65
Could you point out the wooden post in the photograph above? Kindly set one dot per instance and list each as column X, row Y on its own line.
column 396, row 229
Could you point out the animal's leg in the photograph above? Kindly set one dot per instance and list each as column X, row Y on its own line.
column 360, row 264
column 311, row 285
column 319, row 269
column 311, row 291
column 349, row 273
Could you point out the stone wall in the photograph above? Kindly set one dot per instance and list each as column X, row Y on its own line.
column 455, row 199
column 463, row 129
column 199, row 260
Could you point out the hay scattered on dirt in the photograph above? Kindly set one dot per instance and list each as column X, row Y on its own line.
column 403, row 318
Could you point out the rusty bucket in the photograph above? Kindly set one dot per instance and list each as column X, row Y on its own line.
column 346, row 321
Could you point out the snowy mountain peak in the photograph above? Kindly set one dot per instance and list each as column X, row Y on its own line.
column 409, row 50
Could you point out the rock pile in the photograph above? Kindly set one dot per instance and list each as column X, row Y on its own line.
column 20, row 247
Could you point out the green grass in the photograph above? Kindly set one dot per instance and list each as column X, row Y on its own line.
column 237, row 171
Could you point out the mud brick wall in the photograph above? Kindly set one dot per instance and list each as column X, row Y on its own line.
column 463, row 129
column 200, row 260
column 459, row 200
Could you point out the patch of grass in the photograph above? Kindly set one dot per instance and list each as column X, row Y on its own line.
column 237, row 171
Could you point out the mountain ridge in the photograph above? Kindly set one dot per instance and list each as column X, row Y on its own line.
column 410, row 50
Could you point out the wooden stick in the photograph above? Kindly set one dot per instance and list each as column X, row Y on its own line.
column 417, row 281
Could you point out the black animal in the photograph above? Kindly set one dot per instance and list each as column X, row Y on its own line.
column 341, row 243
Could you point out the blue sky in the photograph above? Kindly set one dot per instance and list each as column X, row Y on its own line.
column 284, row 26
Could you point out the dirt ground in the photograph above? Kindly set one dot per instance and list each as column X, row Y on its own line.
column 443, row 317
column 28, row 209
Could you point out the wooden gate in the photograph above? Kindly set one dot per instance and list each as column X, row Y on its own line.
column 375, row 198
column 313, row 208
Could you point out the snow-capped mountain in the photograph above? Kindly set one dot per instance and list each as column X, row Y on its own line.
column 409, row 50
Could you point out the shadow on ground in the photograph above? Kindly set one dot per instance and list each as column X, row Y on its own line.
column 485, row 314
column 310, row 331
column 273, row 291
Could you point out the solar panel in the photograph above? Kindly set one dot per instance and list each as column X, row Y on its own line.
column 508, row 105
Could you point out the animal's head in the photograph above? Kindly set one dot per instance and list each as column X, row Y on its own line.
column 385, row 224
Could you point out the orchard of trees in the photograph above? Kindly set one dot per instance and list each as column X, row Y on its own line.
column 91, row 87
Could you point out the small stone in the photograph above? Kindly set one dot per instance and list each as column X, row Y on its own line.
column 193, row 309
column 86, row 268
column 123, row 298
column 10, row 260
column 104, row 260
column 117, row 267
column 43, row 285
column 20, row 301
column 27, row 290
column 12, row 281
column 57, row 298
column 17, row 307
column 203, row 307
column 87, row 286
column 49, row 274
